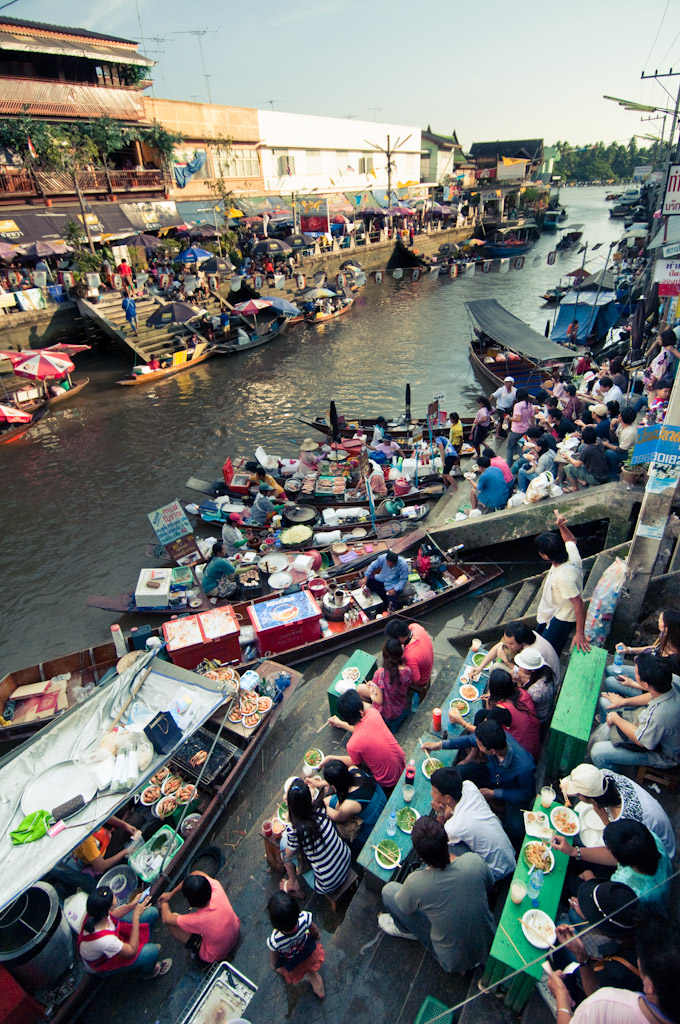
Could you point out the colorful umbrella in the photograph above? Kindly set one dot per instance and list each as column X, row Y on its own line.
column 299, row 241
column 172, row 313
column 281, row 305
column 141, row 241
column 319, row 293
column 218, row 265
column 7, row 252
column 70, row 350
column 270, row 247
column 252, row 306
column 9, row 414
column 204, row 231
column 14, row 357
column 41, row 365
column 401, row 211
column 46, row 249
column 192, row 255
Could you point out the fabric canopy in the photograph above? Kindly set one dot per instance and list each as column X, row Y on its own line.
column 593, row 317
column 512, row 333
column 22, row 228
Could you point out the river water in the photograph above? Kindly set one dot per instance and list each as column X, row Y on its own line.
column 76, row 491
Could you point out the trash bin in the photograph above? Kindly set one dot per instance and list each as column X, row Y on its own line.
column 36, row 942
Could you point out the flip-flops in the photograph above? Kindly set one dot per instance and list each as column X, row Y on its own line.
column 161, row 968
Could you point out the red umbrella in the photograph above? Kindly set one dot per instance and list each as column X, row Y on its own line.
column 252, row 306
column 69, row 350
column 9, row 414
column 14, row 357
column 401, row 211
column 41, row 365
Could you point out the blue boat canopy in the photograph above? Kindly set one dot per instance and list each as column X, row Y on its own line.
column 512, row 333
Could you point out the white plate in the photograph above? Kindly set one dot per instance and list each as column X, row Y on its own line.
column 274, row 563
column 538, row 919
column 537, row 824
column 546, row 871
column 351, row 674
column 383, row 864
column 56, row 785
column 359, row 532
column 280, row 580
column 407, row 807
column 467, row 697
column 422, row 767
column 572, row 815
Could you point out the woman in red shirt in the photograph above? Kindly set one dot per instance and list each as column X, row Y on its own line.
column 525, row 726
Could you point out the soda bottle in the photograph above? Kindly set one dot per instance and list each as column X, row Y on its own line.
column 411, row 772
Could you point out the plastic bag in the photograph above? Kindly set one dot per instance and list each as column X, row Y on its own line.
column 539, row 488
column 604, row 601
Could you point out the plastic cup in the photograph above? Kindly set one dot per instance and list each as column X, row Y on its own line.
column 547, row 796
column 518, row 890
column 407, row 793
column 476, row 645
column 267, row 827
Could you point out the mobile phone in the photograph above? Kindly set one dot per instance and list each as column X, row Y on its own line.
column 145, row 894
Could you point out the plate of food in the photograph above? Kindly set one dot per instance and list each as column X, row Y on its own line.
column 171, row 785
column 565, row 821
column 539, row 855
column 235, row 716
column 536, row 823
column 250, row 721
column 150, row 795
column 538, row 928
column 406, row 819
column 351, row 674
column 159, row 777
column 430, row 765
column 469, row 692
column 165, row 807
column 248, row 705
column 313, row 757
column 388, row 854
column 282, row 812
column 478, row 658
column 185, row 794
column 264, row 704
column 458, row 704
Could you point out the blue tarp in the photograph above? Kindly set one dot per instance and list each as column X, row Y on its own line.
column 183, row 175
column 597, row 319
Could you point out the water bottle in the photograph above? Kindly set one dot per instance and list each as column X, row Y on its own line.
column 618, row 657
column 392, row 824
column 534, row 886
column 277, row 538
column 415, row 703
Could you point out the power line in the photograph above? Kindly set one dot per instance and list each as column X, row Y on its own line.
column 663, row 17
column 670, row 47
column 199, row 33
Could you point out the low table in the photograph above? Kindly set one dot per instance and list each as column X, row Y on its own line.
column 572, row 720
column 365, row 663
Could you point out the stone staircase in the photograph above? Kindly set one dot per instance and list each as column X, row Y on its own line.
column 108, row 314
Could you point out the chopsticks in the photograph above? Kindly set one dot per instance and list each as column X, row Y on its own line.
column 426, row 752
column 512, row 943
column 384, row 855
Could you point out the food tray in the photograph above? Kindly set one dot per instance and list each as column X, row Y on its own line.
column 224, row 989
column 221, row 760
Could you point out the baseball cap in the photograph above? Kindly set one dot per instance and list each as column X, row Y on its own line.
column 234, row 517
column 529, row 659
column 265, row 487
column 585, row 779
column 599, row 410
column 598, row 900
column 508, row 380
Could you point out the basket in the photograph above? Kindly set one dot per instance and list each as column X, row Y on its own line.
column 431, row 1008
column 141, row 860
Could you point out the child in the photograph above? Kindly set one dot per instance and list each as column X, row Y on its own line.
column 294, row 947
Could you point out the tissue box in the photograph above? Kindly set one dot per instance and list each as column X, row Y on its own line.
column 303, row 563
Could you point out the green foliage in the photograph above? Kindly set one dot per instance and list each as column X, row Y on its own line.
column 159, row 138
column 597, row 162
column 133, row 74
column 85, row 260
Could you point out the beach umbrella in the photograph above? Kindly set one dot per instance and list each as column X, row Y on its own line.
column 172, row 313
column 401, row 211
column 204, row 231
column 339, row 218
column 10, row 414
column 372, row 211
column 299, row 241
column 234, row 213
column 69, row 350
column 319, row 293
column 14, row 357
column 141, row 241
column 41, row 365
column 218, row 265
column 408, row 403
column 474, row 241
column 252, row 306
column 270, row 247
column 281, row 305
column 193, row 255
column 7, row 252
column 39, row 249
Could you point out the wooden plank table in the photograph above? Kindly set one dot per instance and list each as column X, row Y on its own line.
column 572, row 720
column 365, row 663
column 504, row 958
column 376, row 876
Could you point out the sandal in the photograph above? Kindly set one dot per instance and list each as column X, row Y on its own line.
column 287, row 886
column 161, row 968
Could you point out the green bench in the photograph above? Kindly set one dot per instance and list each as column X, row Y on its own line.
column 572, row 721
column 366, row 663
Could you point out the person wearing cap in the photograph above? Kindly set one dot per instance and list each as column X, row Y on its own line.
column 561, row 605
column 310, row 458
column 613, row 908
column 503, row 400
column 263, row 507
column 614, row 797
column 261, row 476
column 386, row 449
column 517, row 636
column 602, row 421
column 232, row 538
column 534, row 675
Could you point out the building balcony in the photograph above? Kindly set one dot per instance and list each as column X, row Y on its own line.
column 68, row 101
column 27, row 184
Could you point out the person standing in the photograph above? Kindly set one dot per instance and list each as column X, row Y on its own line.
column 561, row 606
column 130, row 309
column 522, row 418
column 295, row 950
column 504, row 399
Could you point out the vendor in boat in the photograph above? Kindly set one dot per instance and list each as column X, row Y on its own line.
column 379, row 429
column 310, row 457
column 261, row 476
column 114, row 939
column 154, row 363
column 262, row 508
column 217, row 568
column 387, row 576
column 387, row 448
column 455, row 431
column 376, row 479
column 450, row 457
column 232, row 538
column 90, row 855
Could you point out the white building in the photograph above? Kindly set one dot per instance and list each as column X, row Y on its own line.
column 303, row 153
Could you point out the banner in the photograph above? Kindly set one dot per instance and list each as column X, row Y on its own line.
column 519, row 262
column 175, row 533
column 415, row 274
column 671, row 202
column 434, row 272
column 314, row 215
column 378, row 277
column 486, row 267
column 453, row 272
column 397, row 274
column 667, row 275
column 659, row 443
column 469, row 270
column 504, row 266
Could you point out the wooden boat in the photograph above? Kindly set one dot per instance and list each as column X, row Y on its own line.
column 50, row 400
column 321, row 318
column 505, row 346
column 14, row 433
column 554, row 296
column 430, row 488
column 256, row 340
column 200, row 355
column 401, row 432
column 572, row 234
column 459, row 578
column 551, row 220
column 511, row 241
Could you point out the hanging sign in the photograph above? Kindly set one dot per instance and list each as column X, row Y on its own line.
column 519, row 262
column 659, row 443
column 363, row 461
column 301, row 280
column 416, row 274
column 671, row 202
column 434, row 272
column 378, row 277
column 486, row 267
column 257, row 282
column 342, row 280
column 667, row 274
column 504, row 266
column 433, row 414
column 175, row 533
column 397, row 274
column 469, row 270
column 453, row 272
column 235, row 285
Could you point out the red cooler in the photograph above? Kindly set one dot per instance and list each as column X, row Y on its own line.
column 236, row 480
column 285, row 621
column 212, row 634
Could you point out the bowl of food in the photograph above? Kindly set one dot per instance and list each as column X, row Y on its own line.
column 150, row 795
column 406, row 819
column 189, row 824
column 251, row 721
column 351, row 674
column 430, row 765
column 264, row 704
column 248, row 704
column 469, row 692
column 539, row 855
column 458, row 704
column 235, row 716
column 388, row 854
column 159, row 777
column 565, row 821
column 171, row 785
column 538, row 928
column 186, row 794
column 478, row 658
column 340, row 548
column 311, row 761
column 165, row 807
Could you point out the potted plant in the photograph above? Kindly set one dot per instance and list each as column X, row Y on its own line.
column 630, row 473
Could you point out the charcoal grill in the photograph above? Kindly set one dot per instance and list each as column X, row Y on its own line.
column 220, row 762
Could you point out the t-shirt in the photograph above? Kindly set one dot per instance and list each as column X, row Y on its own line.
column 373, row 744
column 217, row 924
column 610, row 1006
column 522, row 417
column 214, row 571
column 473, row 822
column 626, row 435
column 602, row 428
column 286, row 944
column 546, row 649
column 330, row 856
column 505, row 399
column 394, row 695
column 419, row 655
column 107, row 945
column 562, row 583
column 456, row 904
column 659, row 729
column 260, row 509
column 456, row 435
column 525, row 726
column 501, row 464
column 594, row 459
column 650, row 893
column 639, row 805
column 492, row 489
column 232, row 538
column 87, row 851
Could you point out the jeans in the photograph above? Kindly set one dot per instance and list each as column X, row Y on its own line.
column 524, row 478
column 614, row 461
column 394, row 723
column 513, row 441
column 148, row 957
column 417, row 924
column 612, row 685
column 605, row 754
column 556, row 632
column 642, row 403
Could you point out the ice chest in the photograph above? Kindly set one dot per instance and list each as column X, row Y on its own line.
column 213, row 634
column 285, row 621
column 235, row 480
column 154, row 596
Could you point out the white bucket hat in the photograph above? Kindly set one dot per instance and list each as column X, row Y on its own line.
column 529, row 659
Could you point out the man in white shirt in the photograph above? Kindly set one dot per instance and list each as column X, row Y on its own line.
column 503, row 399
column 517, row 636
column 605, row 391
column 467, row 818
column 561, row 604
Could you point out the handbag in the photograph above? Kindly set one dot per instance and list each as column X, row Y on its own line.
column 163, row 732
column 350, row 828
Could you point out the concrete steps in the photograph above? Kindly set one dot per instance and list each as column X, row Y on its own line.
column 109, row 315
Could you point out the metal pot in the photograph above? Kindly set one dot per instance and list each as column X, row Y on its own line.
column 296, row 514
column 335, row 603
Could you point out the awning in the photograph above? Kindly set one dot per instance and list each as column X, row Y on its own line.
column 152, row 216
column 201, row 212
column 40, row 44
column 252, row 205
column 75, row 102
column 103, row 219
column 512, row 333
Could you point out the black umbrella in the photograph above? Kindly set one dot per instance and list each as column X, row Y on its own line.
column 300, row 241
column 334, row 422
column 141, row 241
column 270, row 247
column 218, row 265
column 172, row 313
column 408, row 403
column 204, row 231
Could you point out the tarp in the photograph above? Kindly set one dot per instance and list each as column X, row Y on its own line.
column 668, row 233
column 252, row 205
column 22, row 228
column 593, row 317
column 602, row 279
column 184, row 174
column 512, row 333
column 73, row 733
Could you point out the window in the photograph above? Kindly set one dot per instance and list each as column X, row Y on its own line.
column 237, row 163
column 313, row 161
column 365, row 165
column 285, row 162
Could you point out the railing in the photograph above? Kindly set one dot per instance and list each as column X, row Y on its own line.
column 27, row 183
column 129, row 180
column 16, row 183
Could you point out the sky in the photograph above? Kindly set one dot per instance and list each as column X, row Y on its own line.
column 489, row 72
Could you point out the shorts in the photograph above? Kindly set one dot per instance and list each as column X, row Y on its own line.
column 449, row 462
column 193, row 944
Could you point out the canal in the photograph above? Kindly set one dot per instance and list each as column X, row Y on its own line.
column 76, row 491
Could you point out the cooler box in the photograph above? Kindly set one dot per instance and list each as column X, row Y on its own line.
column 154, row 596
column 235, row 480
column 213, row 634
column 285, row 621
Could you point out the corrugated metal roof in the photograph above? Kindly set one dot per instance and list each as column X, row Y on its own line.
column 71, row 48
column 58, row 99
column 65, row 30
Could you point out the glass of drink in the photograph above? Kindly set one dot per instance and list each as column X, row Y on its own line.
column 547, row 796
column 407, row 792
column 476, row 645
column 518, row 890
column 267, row 828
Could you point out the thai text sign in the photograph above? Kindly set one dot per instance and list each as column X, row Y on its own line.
column 170, row 523
column 659, row 443
column 671, row 202
column 667, row 274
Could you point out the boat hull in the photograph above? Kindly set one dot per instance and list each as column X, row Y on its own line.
column 170, row 371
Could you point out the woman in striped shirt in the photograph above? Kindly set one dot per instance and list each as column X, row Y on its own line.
column 312, row 832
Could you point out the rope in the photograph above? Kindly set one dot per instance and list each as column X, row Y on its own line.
column 539, row 959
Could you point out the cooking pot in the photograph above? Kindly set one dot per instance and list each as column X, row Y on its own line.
column 294, row 514
column 335, row 603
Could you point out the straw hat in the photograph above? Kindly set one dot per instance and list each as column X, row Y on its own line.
column 308, row 445
column 529, row 659
column 599, row 410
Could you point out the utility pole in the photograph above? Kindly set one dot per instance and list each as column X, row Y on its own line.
column 199, row 33
column 375, row 112
column 389, row 150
